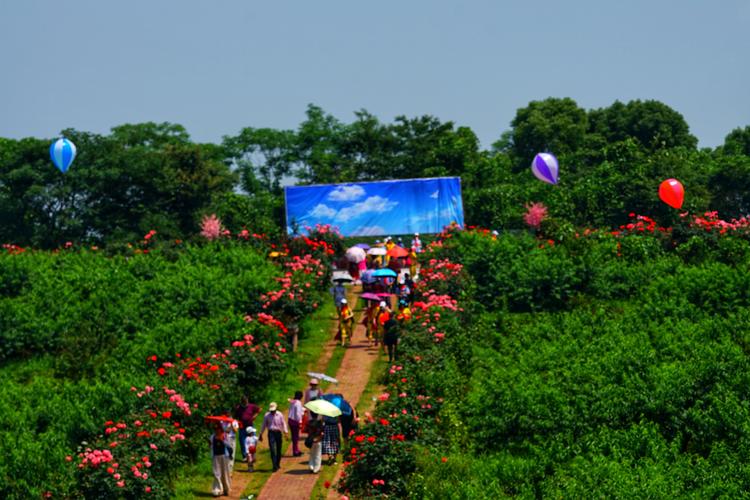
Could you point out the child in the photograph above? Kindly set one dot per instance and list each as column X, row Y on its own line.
column 251, row 443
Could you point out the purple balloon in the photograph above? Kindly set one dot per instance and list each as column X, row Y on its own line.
column 545, row 167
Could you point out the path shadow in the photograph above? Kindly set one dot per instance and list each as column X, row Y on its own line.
column 298, row 472
column 202, row 494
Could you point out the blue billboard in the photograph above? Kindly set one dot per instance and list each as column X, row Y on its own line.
column 403, row 206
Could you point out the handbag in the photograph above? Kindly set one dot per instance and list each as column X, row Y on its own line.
column 309, row 440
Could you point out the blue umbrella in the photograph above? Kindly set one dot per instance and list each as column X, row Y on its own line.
column 339, row 401
column 363, row 246
column 367, row 277
column 385, row 273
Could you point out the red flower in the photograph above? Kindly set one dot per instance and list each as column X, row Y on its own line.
column 327, row 484
column 167, row 414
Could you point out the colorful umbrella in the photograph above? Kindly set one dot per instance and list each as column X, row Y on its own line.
column 356, row 254
column 382, row 273
column 323, row 407
column 339, row 401
column 341, row 276
column 370, row 296
column 363, row 246
column 398, row 251
column 377, row 251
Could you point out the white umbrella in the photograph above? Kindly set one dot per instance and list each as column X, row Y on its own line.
column 322, row 376
column 377, row 251
column 356, row 254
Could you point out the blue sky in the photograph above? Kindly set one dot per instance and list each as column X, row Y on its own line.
column 377, row 208
column 216, row 67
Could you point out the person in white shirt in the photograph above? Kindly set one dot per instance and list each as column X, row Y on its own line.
column 251, row 444
column 296, row 412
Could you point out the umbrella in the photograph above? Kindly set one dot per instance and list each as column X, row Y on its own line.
column 323, row 407
column 377, row 251
column 339, row 401
column 363, row 246
column 370, row 296
column 398, row 251
column 341, row 276
column 366, row 276
column 219, row 418
column 356, row 254
column 322, row 376
column 383, row 295
column 381, row 273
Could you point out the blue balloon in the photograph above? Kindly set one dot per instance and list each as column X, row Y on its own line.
column 62, row 152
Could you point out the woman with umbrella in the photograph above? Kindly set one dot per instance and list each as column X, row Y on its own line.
column 326, row 430
column 331, row 438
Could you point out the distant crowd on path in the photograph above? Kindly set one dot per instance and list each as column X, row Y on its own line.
column 323, row 435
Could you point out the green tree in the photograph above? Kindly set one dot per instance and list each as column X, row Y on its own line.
column 556, row 125
column 652, row 123
column 737, row 142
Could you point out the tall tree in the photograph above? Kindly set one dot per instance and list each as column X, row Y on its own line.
column 652, row 123
column 555, row 125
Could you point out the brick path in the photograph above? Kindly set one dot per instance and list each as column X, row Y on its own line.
column 294, row 480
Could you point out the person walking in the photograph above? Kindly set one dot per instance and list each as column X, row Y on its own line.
column 250, row 447
column 313, row 392
column 221, row 455
column 296, row 411
column 384, row 314
column 315, row 440
column 346, row 322
column 275, row 423
column 390, row 338
column 331, row 438
column 245, row 413
column 339, row 293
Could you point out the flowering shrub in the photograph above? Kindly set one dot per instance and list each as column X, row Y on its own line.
column 535, row 215
column 211, row 228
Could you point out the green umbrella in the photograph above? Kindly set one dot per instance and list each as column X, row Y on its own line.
column 323, row 407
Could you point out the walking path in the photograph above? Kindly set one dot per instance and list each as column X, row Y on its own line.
column 294, row 480
column 240, row 477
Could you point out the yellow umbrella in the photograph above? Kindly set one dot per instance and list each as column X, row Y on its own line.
column 323, row 407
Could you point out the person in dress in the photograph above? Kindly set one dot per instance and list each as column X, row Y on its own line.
column 275, row 423
column 296, row 412
column 416, row 244
column 250, row 447
column 384, row 314
column 331, row 438
column 221, row 455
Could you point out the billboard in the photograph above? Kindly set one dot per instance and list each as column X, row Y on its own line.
column 403, row 206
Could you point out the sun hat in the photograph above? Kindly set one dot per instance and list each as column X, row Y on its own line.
column 382, row 303
column 343, row 301
column 314, row 381
column 250, row 430
column 272, row 406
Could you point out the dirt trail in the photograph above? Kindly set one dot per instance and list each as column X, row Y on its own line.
column 294, row 480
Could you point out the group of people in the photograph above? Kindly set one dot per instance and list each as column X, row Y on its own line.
column 323, row 435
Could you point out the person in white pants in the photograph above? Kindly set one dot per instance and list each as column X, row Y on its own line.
column 315, row 434
column 221, row 454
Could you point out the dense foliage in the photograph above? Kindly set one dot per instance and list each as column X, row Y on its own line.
column 152, row 176
column 612, row 364
column 114, row 361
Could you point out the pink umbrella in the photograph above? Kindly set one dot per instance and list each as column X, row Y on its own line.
column 370, row 296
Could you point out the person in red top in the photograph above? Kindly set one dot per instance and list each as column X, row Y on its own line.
column 384, row 314
column 245, row 412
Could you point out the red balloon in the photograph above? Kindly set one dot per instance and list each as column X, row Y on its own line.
column 672, row 193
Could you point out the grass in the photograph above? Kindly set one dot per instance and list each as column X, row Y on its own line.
column 195, row 480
